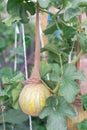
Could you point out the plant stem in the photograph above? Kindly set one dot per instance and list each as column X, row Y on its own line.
column 56, row 88
column 78, row 57
column 46, row 11
column 15, row 46
column 36, row 72
column 47, row 86
column 57, row 24
column 58, row 28
column 61, row 64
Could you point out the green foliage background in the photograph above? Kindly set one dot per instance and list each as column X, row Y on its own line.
column 57, row 74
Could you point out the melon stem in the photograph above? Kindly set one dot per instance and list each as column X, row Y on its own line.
column 35, row 75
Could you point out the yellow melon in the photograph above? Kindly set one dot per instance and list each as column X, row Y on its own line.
column 33, row 98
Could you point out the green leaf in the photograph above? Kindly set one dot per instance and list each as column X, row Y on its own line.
column 56, row 113
column 56, row 3
column 69, row 89
column 71, row 12
column 14, row 117
column 25, row 9
column 11, row 19
column 74, row 3
column 82, row 38
column 15, row 96
column 14, row 6
column 18, row 51
column 67, row 3
column 65, row 108
column 52, row 101
column 6, row 72
column 71, row 73
column 23, row 14
column 19, row 77
column 44, row 68
column 84, row 101
column 82, row 125
column 20, row 10
column 45, row 112
column 28, row 40
column 51, row 47
column 44, row 3
column 56, row 122
column 50, row 28
column 67, row 31
column 54, row 74
column 81, row 3
column 2, row 43
column 30, row 6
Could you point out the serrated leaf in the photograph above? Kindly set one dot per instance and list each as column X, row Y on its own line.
column 71, row 12
column 44, row 3
column 56, row 122
column 69, row 89
column 65, row 108
column 45, row 112
column 82, row 38
column 71, row 73
column 56, row 115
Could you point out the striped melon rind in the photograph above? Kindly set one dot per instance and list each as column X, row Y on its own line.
column 33, row 98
